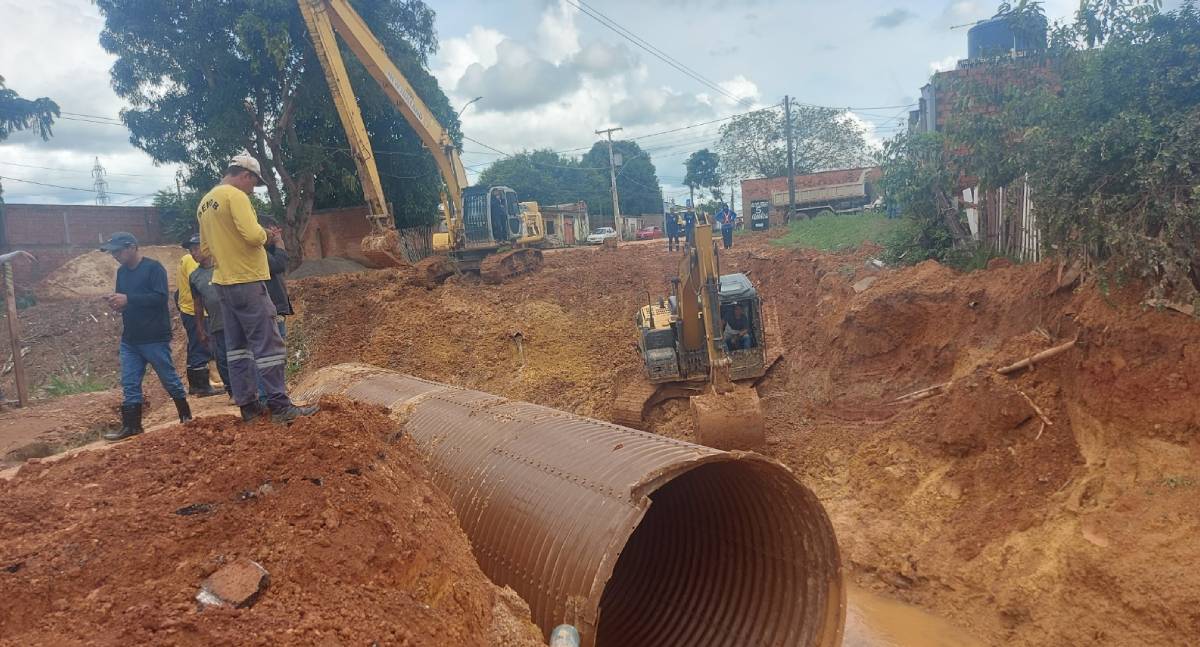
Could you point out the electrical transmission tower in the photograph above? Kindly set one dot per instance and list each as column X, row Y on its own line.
column 99, row 184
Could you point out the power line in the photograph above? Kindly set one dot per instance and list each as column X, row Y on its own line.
column 641, row 43
column 52, row 168
column 59, row 186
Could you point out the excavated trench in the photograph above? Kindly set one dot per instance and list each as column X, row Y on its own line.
column 635, row 538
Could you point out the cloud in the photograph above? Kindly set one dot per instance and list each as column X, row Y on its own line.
column 893, row 18
column 603, row 60
column 519, row 79
column 947, row 63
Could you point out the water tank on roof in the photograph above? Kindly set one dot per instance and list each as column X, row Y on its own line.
column 996, row 37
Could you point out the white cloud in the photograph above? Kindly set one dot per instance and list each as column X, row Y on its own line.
column 557, row 35
column 945, row 64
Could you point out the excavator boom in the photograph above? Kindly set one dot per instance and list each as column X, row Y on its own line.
column 324, row 18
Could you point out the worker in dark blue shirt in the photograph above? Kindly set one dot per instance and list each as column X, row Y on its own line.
column 727, row 219
column 671, row 222
column 141, row 298
column 689, row 226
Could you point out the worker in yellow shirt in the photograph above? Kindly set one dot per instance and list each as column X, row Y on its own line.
column 231, row 235
column 197, row 353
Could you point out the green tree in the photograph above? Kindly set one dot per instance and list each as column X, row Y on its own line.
column 206, row 81
column 637, row 179
column 921, row 178
column 541, row 176
column 754, row 144
column 703, row 172
column 18, row 114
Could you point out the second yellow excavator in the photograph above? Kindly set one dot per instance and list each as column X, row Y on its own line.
column 486, row 229
column 708, row 342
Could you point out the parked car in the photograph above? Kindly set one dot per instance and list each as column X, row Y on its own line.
column 646, row 233
column 601, row 234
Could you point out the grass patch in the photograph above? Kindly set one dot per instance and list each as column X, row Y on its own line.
column 833, row 232
column 73, row 383
column 297, row 349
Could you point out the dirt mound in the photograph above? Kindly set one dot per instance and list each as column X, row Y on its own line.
column 94, row 274
column 110, row 547
column 1052, row 506
column 326, row 267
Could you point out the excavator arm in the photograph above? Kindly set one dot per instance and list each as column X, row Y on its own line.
column 324, row 18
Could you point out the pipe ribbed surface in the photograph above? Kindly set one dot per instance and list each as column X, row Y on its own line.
column 635, row 538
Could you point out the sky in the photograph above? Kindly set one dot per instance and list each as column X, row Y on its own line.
column 549, row 76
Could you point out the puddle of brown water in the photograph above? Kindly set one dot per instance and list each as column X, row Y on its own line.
column 876, row 621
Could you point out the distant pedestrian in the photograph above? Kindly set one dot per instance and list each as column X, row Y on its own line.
column 210, row 322
column 671, row 223
column 141, row 297
column 727, row 219
column 198, row 355
column 230, row 233
column 689, row 226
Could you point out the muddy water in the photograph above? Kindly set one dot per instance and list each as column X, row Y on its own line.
column 875, row 621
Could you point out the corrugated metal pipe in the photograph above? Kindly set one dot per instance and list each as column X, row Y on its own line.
column 634, row 538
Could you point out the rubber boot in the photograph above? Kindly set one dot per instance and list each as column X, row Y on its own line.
column 253, row 411
column 131, row 423
column 289, row 415
column 198, row 384
column 185, row 411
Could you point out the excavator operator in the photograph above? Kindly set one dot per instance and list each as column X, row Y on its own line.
column 737, row 329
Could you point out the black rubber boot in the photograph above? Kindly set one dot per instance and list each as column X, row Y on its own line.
column 131, row 423
column 185, row 411
column 288, row 415
column 253, row 411
column 198, row 383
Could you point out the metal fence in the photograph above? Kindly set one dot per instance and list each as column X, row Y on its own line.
column 416, row 242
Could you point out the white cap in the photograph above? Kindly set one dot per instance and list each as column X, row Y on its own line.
column 249, row 163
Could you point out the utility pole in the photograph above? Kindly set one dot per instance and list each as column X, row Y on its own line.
column 99, row 184
column 612, row 175
column 791, row 162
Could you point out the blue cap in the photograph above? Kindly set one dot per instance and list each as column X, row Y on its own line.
column 118, row 241
column 194, row 240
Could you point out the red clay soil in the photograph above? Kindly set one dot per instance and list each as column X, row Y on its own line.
column 110, row 547
column 1072, row 526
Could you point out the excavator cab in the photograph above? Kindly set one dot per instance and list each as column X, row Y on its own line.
column 677, row 363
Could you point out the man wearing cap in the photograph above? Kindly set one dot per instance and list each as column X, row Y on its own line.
column 231, row 235
column 197, row 354
column 141, row 298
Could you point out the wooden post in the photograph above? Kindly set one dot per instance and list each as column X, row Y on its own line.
column 14, row 335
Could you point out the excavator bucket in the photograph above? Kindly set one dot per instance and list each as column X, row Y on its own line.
column 498, row 267
column 730, row 420
column 384, row 249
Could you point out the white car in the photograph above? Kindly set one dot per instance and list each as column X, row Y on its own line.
column 601, row 234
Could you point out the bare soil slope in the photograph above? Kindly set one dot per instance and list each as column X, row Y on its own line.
column 109, row 548
column 1072, row 526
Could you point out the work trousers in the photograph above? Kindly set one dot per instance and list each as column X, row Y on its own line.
column 134, row 358
column 254, row 348
column 727, row 236
column 672, row 240
column 690, row 233
column 197, row 353
column 262, row 388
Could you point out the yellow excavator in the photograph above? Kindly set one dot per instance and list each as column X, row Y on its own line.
column 707, row 342
column 486, row 229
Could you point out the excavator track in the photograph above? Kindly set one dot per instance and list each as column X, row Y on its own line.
column 432, row 270
column 634, row 394
column 498, row 267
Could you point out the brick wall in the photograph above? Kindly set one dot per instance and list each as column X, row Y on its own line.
column 57, row 233
column 336, row 232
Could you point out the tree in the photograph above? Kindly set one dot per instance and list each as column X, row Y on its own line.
column 702, row 172
column 541, row 176
column 637, row 179
column 21, row 114
column 18, row 114
column 753, row 144
column 921, row 178
column 206, row 82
